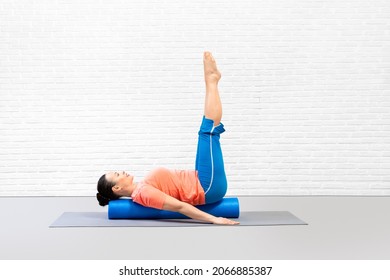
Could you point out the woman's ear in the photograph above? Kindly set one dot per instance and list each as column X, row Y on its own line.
column 115, row 189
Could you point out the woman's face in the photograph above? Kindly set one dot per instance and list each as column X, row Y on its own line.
column 120, row 177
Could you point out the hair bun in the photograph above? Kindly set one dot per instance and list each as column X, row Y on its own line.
column 103, row 201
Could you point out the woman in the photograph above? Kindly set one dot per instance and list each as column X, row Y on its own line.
column 179, row 190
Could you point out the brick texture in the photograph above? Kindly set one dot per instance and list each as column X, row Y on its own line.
column 92, row 86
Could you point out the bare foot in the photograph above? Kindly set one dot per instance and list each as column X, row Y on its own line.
column 211, row 73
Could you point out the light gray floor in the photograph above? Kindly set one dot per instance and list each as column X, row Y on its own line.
column 339, row 228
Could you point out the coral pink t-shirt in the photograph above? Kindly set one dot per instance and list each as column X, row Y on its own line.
column 183, row 185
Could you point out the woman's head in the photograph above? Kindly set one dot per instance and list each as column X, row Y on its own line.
column 112, row 186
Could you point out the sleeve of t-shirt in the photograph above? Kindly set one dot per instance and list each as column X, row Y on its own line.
column 150, row 197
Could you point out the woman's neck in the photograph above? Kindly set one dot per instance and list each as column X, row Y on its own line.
column 131, row 188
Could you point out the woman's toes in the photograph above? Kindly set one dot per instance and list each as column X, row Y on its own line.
column 210, row 68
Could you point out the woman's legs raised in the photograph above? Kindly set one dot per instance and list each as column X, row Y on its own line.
column 212, row 106
column 209, row 159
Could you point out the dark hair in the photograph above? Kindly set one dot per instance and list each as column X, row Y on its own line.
column 105, row 193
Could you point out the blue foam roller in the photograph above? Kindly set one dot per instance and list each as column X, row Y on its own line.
column 228, row 207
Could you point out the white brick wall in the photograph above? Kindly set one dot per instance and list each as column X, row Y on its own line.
column 91, row 86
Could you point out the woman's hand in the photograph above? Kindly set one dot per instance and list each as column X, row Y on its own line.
column 172, row 204
column 224, row 221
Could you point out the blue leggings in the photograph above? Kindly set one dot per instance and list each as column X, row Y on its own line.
column 209, row 161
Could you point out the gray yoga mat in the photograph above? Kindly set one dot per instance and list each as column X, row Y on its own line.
column 99, row 219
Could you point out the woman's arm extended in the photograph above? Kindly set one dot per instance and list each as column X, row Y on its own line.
column 172, row 204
